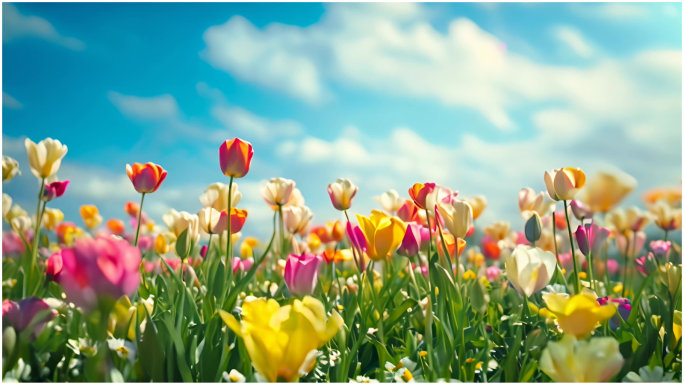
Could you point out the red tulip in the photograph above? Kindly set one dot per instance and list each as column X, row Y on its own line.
column 146, row 178
column 235, row 156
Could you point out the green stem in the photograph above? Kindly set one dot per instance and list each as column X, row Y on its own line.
column 590, row 264
column 137, row 231
column 229, row 245
column 555, row 246
column 282, row 231
column 427, row 215
column 572, row 247
column 36, row 237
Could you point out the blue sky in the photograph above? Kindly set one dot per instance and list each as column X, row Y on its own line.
column 482, row 98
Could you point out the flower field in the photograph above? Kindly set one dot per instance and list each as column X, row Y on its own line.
column 416, row 290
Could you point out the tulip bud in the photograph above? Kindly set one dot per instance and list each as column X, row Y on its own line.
column 301, row 274
column 410, row 245
column 10, row 168
column 390, row 201
column 341, row 192
column 533, row 229
column 146, row 178
column 45, row 157
column 91, row 216
column 54, row 189
column 530, row 269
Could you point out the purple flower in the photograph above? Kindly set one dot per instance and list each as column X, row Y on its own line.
column 20, row 315
column 301, row 273
column 624, row 309
column 54, row 189
column 590, row 237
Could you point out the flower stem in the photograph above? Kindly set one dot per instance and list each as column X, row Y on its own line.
column 137, row 231
column 282, row 230
column 36, row 237
column 590, row 266
column 555, row 246
column 228, row 270
column 572, row 247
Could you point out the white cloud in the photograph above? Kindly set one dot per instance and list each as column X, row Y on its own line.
column 572, row 39
column 10, row 102
column 253, row 127
column 145, row 108
column 612, row 11
column 15, row 25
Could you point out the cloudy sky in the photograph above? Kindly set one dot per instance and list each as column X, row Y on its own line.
column 482, row 98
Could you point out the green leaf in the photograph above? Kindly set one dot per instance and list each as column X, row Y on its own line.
column 150, row 347
column 182, row 245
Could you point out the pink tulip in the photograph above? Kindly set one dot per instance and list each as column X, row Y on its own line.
column 99, row 267
column 20, row 315
column 613, row 266
column 424, row 238
column 145, row 243
column 660, row 247
column 493, row 273
column 54, row 189
column 521, row 239
column 356, row 237
column 12, row 245
column 410, row 245
column 580, row 210
column 590, row 237
column 242, row 264
column 54, row 266
column 203, row 251
column 301, row 273
column 408, row 212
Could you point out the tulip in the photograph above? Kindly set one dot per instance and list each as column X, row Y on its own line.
column 419, row 193
column 672, row 196
column 580, row 210
column 6, row 204
column 45, row 157
column 605, row 190
column 624, row 309
column 630, row 244
column 282, row 341
column 54, row 189
column 216, row 196
column 163, row 242
column 247, row 247
column 235, row 157
column 612, row 266
column 576, row 315
column 177, row 222
column 332, row 231
column 533, row 228
column 99, row 267
column 296, row 218
column 146, row 178
column 21, row 224
column 52, row 218
column 458, row 217
column 565, row 260
column 410, row 244
column 478, row 203
column 12, row 245
column 54, row 265
column 91, row 216
column 455, row 246
column 116, row 226
column 493, row 273
column 212, row 221
column 277, row 191
column 337, row 256
column 590, row 238
column 21, row 315
column 490, row 248
column 357, row 237
column 237, row 219
column 529, row 202
column 530, row 269
column 660, row 247
column 570, row 360
column 498, row 230
column 408, row 212
column 296, row 199
column 301, row 273
column 341, row 192
column 564, row 183
column 666, row 217
column 633, row 219
column 670, row 275
column 390, row 201
column 242, row 264
column 10, row 168
column 67, row 233
column 383, row 234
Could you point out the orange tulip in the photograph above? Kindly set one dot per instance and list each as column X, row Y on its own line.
column 453, row 245
column 235, row 157
column 91, row 216
column 419, row 193
column 116, row 226
column 146, row 178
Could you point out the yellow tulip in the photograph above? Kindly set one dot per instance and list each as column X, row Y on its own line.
column 564, row 183
column 10, row 168
column 247, row 247
column 282, row 342
column 577, row 315
column 123, row 316
column 52, row 218
column 91, row 216
column 383, row 234
column 478, row 203
column 605, row 190
column 666, row 217
column 45, row 157
column 570, row 360
column 163, row 242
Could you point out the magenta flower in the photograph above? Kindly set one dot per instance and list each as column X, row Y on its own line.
column 301, row 273
column 356, row 237
column 242, row 264
column 590, row 237
column 424, row 238
column 613, row 266
column 20, row 315
column 660, row 247
column 100, row 267
column 203, row 251
column 54, row 189
column 54, row 266
column 410, row 245
column 624, row 309
column 12, row 245
column 643, row 264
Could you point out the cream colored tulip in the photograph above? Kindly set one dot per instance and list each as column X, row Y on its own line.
column 390, row 201
column 569, row 360
column 45, row 157
column 6, row 204
column 498, row 230
column 277, row 191
column 15, row 211
column 530, row 202
column 634, row 219
column 478, row 203
column 605, row 190
column 296, row 218
column 21, row 224
column 10, row 168
column 341, row 193
column 216, row 196
column 530, row 269
column 212, row 221
column 296, row 199
column 666, row 217
column 564, row 183
column 177, row 222
column 458, row 217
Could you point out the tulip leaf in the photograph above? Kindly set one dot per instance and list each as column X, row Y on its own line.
column 151, row 348
column 399, row 312
column 182, row 245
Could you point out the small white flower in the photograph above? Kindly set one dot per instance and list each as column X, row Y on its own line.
column 233, row 376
